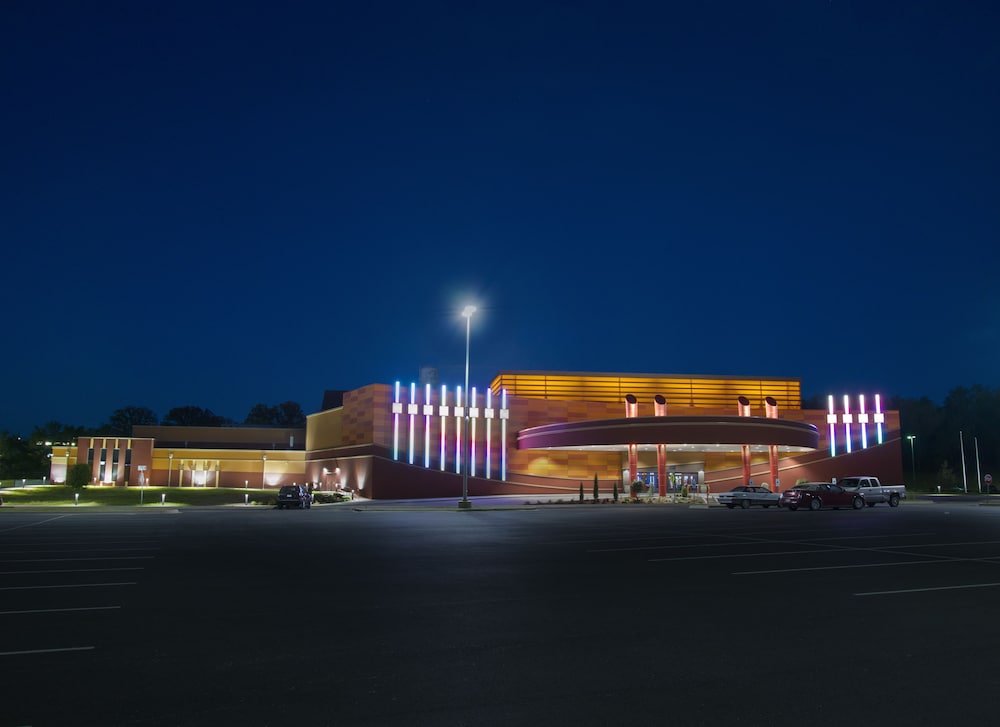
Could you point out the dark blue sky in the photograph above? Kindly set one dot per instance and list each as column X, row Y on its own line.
column 273, row 199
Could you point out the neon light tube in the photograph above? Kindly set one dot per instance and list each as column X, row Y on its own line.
column 831, row 419
column 489, row 428
column 443, row 410
column 428, row 409
column 459, row 413
column 473, row 413
column 397, row 407
column 847, row 422
column 879, row 417
column 863, row 421
column 503, row 434
column 412, row 410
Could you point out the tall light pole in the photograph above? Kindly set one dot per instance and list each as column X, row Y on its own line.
column 467, row 314
column 263, row 470
column 913, row 458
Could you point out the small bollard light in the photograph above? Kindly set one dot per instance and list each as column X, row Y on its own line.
column 163, row 498
column 76, row 498
column 246, row 498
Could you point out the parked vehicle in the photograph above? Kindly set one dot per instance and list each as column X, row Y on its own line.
column 294, row 496
column 746, row 495
column 817, row 495
column 874, row 491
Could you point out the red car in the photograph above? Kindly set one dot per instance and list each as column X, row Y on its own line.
column 816, row 495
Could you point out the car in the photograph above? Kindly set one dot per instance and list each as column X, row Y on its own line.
column 294, row 496
column 747, row 495
column 817, row 495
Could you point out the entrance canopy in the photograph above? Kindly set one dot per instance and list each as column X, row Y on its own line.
column 679, row 434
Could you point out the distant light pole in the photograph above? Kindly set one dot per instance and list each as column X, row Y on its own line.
column 170, row 467
column 913, row 458
column 467, row 314
column 263, row 470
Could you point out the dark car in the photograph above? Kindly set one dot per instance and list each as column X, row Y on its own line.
column 294, row 496
column 816, row 495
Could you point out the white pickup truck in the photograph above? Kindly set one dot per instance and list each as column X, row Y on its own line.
column 874, row 491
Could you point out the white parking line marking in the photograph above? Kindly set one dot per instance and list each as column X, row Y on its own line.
column 116, row 549
column 925, row 590
column 61, row 560
column 28, row 525
column 839, row 567
column 68, row 585
column 68, row 570
column 47, row 651
column 59, row 610
column 746, row 555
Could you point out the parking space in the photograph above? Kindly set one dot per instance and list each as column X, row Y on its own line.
column 64, row 577
column 368, row 608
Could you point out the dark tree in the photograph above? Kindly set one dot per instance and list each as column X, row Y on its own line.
column 23, row 458
column 286, row 414
column 261, row 415
column 291, row 414
column 58, row 433
column 193, row 416
column 122, row 420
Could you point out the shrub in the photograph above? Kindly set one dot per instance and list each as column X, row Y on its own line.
column 78, row 476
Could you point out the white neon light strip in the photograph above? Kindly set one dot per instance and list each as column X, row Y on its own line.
column 412, row 409
column 831, row 419
column 428, row 410
column 443, row 409
column 489, row 427
column 397, row 407
column 879, row 417
column 847, row 422
column 503, row 434
column 459, row 413
column 863, row 421
column 473, row 413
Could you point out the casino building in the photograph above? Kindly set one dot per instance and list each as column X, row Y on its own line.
column 527, row 433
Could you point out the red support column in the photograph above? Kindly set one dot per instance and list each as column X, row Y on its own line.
column 660, row 409
column 632, row 411
column 743, row 405
column 771, row 410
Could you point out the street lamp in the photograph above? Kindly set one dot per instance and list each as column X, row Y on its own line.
column 170, row 467
column 263, row 470
column 465, row 504
column 913, row 457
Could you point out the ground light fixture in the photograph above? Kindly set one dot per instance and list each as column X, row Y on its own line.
column 465, row 504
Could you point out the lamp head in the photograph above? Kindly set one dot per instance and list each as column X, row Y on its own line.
column 468, row 311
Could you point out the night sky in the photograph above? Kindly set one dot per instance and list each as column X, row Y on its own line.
column 223, row 203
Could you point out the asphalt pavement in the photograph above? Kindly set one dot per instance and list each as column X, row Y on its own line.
column 503, row 615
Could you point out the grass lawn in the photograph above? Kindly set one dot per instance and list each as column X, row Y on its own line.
column 151, row 496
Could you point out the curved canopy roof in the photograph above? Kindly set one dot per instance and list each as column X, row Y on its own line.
column 678, row 433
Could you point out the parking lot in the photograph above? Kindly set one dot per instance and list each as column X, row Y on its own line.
column 555, row 613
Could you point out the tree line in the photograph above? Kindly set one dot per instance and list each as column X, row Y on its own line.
column 28, row 457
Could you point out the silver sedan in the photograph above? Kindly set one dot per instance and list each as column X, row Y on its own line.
column 746, row 495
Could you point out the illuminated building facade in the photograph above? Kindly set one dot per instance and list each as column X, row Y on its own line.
column 530, row 432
